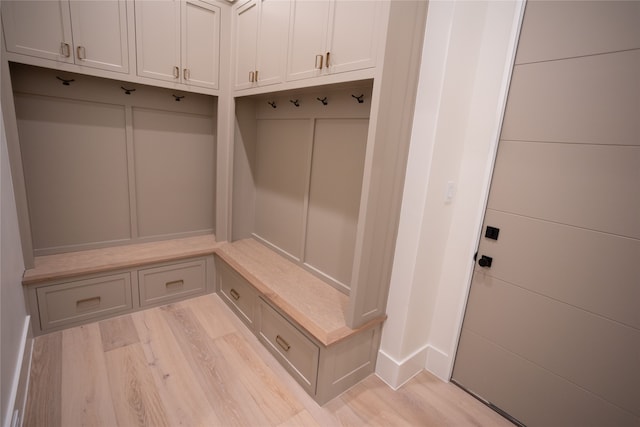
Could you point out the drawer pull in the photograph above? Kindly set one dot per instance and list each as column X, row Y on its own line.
column 282, row 343
column 87, row 303
column 234, row 294
column 176, row 284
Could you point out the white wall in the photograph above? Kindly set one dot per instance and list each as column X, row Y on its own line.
column 466, row 64
column 13, row 314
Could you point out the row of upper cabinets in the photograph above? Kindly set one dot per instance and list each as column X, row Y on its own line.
column 178, row 41
column 175, row 41
column 286, row 40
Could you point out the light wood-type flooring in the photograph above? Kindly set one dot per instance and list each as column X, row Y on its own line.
column 194, row 363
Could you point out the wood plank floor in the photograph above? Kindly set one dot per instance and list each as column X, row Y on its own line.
column 194, row 363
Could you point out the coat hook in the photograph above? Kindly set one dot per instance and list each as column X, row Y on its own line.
column 178, row 98
column 65, row 82
column 127, row 91
column 323, row 100
column 272, row 103
column 296, row 102
column 359, row 98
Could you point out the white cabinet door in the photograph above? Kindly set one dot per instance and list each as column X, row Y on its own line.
column 200, row 43
column 38, row 28
column 246, row 36
column 158, row 39
column 272, row 41
column 100, row 34
column 307, row 39
column 354, row 42
column 332, row 37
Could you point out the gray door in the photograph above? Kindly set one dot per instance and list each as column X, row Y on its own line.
column 551, row 333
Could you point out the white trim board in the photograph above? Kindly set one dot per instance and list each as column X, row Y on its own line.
column 20, row 382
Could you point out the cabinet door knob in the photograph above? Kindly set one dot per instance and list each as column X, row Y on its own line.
column 319, row 60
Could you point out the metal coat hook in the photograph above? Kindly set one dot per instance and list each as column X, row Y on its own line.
column 178, row 98
column 127, row 91
column 323, row 100
column 65, row 82
column 296, row 102
column 272, row 103
column 360, row 98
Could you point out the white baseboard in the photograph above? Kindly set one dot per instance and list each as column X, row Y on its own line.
column 20, row 383
column 397, row 372
column 439, row 363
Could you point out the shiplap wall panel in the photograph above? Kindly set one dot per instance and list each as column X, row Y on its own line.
column 576, row 407
column 175, row 172
column 75, row 162
column 551, row 259
column 334, row 196
column 592, row 352
column 594, row 99
column 281, row 179
column 564, row 29
column 578, row 184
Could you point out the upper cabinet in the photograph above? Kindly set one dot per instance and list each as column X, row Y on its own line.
column 332, row 37
column 178, row 41
column 85, row 33
column 261, row 31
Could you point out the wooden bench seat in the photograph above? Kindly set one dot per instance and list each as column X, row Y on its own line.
column 316, row 306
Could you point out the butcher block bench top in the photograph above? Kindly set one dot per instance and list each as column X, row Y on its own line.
column 316, row 306
column 71, row 264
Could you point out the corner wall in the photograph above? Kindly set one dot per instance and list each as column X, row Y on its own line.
column 466, row 66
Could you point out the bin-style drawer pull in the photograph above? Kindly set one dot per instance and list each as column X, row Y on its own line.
column 282, row 343
column 83, row 304
column 234, row 294
column 174, row 285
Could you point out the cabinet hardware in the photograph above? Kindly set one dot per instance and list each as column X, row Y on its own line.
column 174, row 284
column 319, row 60
column 81, row 53
column 178, row 98
column 295, row 102
column 88, row 302
column 272, row 103
column 65, row 49
column 186, row 73
column 252, row 77
column 256, row 80
column 282, row 343
column 326, row 63
column 323, row 100
column 360, row 98
column 176, row 72
column 127, row 91
column 234, row 294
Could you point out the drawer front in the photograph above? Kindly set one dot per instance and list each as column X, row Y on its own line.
column 236, row 291
column 171, row 282
column 82, row 300
column 298, row 354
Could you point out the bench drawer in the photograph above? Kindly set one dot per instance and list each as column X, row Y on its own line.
column 236, row 291
column 297, row 353
column 171, row 282
column 67, row 303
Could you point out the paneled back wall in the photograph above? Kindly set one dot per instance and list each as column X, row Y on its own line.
column 304, row 167
column 104, row 167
